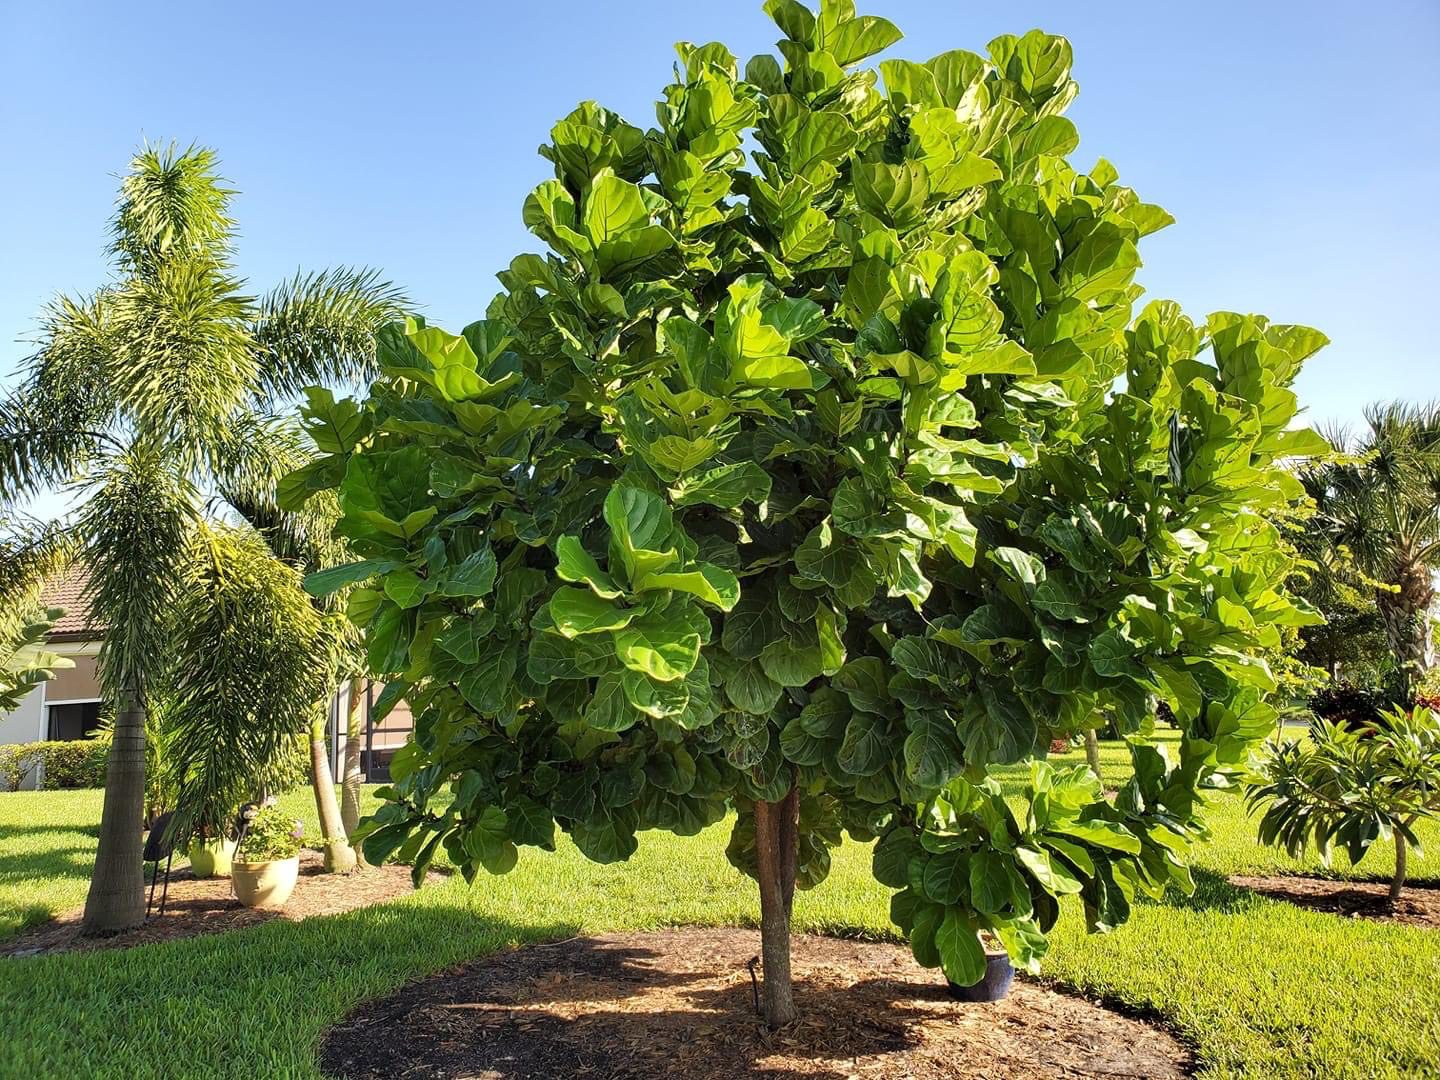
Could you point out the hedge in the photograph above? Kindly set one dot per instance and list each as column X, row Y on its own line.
column 77, row 763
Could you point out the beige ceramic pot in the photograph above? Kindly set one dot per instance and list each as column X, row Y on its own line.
column 211, row 858
column 265, row 884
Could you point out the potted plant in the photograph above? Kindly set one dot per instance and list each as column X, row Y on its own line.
column 995, row 983
column 211, row 856
column 267, row 863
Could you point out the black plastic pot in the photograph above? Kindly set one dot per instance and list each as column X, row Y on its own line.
column 994, row 986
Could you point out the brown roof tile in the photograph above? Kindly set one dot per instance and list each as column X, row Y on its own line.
column 67, row 590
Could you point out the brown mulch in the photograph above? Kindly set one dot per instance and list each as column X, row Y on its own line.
column 198, row 906
column 679, row 1004
column 1419, row 905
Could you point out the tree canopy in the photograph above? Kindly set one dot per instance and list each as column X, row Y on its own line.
column 1378, row 508
column 822, row 458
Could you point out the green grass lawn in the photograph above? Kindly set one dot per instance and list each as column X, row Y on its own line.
column 1262, row 989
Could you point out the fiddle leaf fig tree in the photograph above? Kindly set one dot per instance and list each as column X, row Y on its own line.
column 819, row 467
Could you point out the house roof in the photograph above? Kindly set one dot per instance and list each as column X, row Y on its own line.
column 67, row 590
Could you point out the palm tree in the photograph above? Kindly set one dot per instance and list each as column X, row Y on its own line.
column 1381, row 505
column 257, row 650
column 304, row 538
column 151, row 396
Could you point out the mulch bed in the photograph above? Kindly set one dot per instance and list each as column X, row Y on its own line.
column 1419, row 905
column 679, row 1004
column 198, row 906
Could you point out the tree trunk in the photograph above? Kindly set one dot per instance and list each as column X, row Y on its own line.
column 776, row 837
column 1406, row 618
column 1398, row 881
column 339, row 855
column 116, row 900
column 351, row 777
column 1092, row 751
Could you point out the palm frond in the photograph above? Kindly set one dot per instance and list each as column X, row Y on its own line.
column 319, row 329
column 25, row 662
column 267, row 449
column 252, row 662
column 187, row 362
column 1380, row 500
column 31, row 550
column 172, row 203
column 60, row 414
column 133, row 532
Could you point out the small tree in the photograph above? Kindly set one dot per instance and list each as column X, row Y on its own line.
column 1351, row 785
column 798, row 481
column 148, row 395
column 249, row 682
column 1381, row 507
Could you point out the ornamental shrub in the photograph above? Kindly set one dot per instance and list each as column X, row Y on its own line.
column 272, row 835
column 820, row 467
column 1346, row 703
column 1353, row 784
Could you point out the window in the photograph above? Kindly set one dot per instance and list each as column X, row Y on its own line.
column 72, row 719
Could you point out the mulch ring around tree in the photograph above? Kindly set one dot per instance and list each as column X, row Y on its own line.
column 1419, row 905
column 198, row 906
column 679, row 1004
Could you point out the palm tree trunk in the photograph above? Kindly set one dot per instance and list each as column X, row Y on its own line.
column 351, row 777
column 1092, row 751
column 339, row 855
column 116, row 900
column 1406, row 617
column 776, row 837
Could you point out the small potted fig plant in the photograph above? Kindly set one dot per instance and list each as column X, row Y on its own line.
column 267, row 863
column 995, row 983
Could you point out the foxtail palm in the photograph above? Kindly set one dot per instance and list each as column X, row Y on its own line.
column 304, row 538
column 1382, row 504
column 152, row 395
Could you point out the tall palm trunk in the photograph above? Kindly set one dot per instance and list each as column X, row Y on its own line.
column 776, row 837
column 117, row 887
column 1406, row 617
column 351, row 776
column 339, row 855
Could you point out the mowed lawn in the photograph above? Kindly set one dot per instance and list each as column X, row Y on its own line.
column 1259, row 988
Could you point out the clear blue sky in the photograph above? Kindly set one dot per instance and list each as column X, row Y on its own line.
column 1297, row 144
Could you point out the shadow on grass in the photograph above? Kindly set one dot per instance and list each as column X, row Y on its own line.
column 58, row 862
column 1212, row 893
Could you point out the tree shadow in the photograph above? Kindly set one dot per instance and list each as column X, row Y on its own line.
column 56, row 862
column 10, row 832
column 583, row 1007
column 620, row 1008
column 1213, row 892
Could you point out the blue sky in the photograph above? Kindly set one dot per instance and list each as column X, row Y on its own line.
column 1297, row 144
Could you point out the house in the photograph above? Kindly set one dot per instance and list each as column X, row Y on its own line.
column 69, row 705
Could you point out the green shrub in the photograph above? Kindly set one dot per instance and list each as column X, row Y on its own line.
column 78, row 763
column 273, row 834
column 14, row 764
column 1351, row 785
